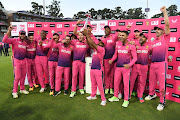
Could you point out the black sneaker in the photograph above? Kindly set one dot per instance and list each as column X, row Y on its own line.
column 65, row 92
column 56, row 93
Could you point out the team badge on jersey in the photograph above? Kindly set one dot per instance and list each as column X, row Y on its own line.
column 147, row 47
column 127, row 47
column 34, row 45
column 71, row 48
column 110, row 37
column 46, row 41
column 137, row 46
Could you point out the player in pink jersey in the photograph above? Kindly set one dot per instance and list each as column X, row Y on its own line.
column 110, row 43
column 41, row 60
column 140, row 68
column 89, row 30
column 19, row 54
column 96, row 72
column 79, row 53
column 64, row 65
column 30, row 62
column 158, row 68
column 135, row 37
column 53, row 60
column 126, row 56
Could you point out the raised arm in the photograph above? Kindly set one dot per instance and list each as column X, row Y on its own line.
column 90, row 42
column 166, row 20
column 6, row 38
column 75, row 29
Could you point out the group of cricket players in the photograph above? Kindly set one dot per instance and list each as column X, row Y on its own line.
column 120, row 62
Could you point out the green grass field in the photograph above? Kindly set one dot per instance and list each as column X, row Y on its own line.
column 36, row 106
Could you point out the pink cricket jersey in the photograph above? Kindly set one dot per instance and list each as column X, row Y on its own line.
column 53, row 51
column 65, row 55
column 80, row 50
column 18, row 45
column 143, row 54
column 160, row 49
column 97, row 59
column 110, row 43
column 125, row 54
column 31, row 50
column 39, row 51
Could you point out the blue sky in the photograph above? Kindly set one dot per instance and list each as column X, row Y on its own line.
column 70, row 7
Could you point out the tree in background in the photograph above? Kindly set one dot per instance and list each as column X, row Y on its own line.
column 37, row 9
column 171, row 10
column 117, row 13
column 54, row 9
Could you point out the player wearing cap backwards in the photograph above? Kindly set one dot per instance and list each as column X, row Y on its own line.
column 159, row 58
column 30, row 62
column 41, row 60
column 79, row 53
column 140, row 68
column 126, row 56
column 64, row 64
column 96, row 72
column 110, row 43
column 19, row 54
column 52, row 60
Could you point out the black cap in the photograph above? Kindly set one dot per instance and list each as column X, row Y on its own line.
column 55, row 34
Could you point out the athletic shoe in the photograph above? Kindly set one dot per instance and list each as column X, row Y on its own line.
column 42, row 90
column 112, row 99
column 36, row 86
column 65, row 92
column 103, row 103
column 91, row 98
column 31, row 88
column 51, row 92
column 24, row 92
column 141, row 100
column 56, row 93
column 72, row 94
column 106, row 91
column 160, row 107
column 111, row 92
column 15, row 95
column 81, row 91
column 120, row 96
column 134, row 94
column 125, row 104
column 150, row 97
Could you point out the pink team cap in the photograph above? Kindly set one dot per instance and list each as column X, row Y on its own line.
column 160, row 26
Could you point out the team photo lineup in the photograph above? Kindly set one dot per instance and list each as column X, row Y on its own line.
column 120, row 62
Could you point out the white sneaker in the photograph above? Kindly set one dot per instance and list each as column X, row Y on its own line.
column 15, row 95
column 91, row 98
column 103, row 103
column 24, row 92
column 149, row 97
column 160, row 107
column 119, row 95
column 42, row 90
